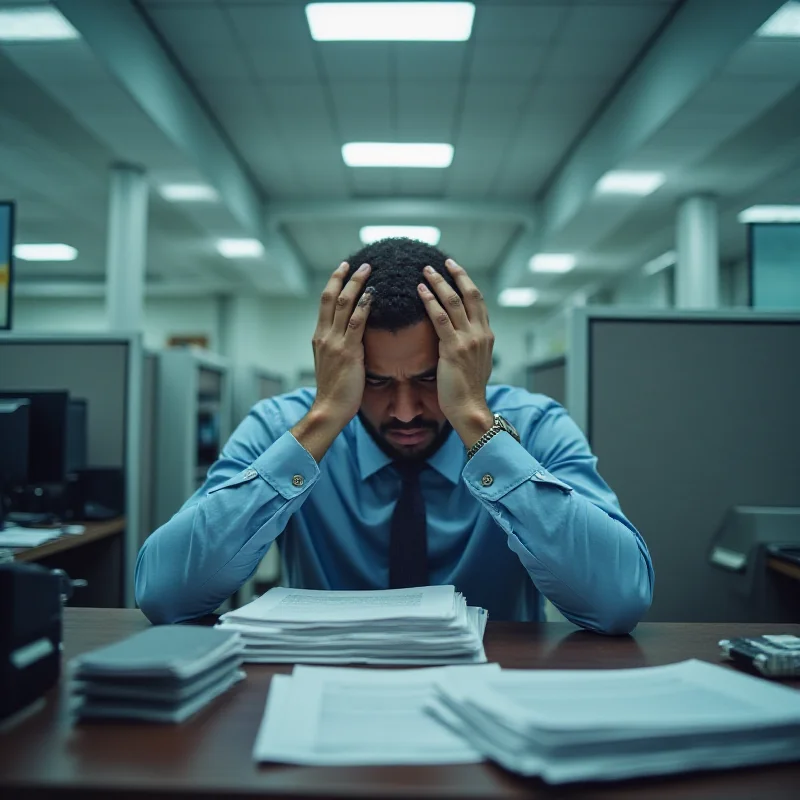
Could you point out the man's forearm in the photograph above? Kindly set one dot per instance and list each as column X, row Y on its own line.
column 317, row 431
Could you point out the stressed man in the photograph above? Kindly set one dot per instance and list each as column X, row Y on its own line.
column 405, row 468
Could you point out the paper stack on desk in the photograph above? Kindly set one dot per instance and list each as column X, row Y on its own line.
column 425, row 625
column 336, row 716
column 163, row 674
column 583, row 725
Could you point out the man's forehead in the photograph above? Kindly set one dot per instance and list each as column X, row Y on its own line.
column 407, row 352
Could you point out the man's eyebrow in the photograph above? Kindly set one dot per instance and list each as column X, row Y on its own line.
column 428, row 373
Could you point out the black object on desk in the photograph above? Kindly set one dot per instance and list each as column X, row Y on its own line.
column 30, row 634
column 31, row 598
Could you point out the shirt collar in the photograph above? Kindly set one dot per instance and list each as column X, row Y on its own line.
column 448, row 460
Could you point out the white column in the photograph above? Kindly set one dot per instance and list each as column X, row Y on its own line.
column 697, row 245
column 127, row 248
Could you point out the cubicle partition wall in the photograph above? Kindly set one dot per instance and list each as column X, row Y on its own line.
column 106, row 371
column 549, row 378
column 192, row 424
column 251, row 384
column 689, row 413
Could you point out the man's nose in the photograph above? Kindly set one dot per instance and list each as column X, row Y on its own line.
column 406, row 404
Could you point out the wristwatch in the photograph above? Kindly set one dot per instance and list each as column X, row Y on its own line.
column 500, row 424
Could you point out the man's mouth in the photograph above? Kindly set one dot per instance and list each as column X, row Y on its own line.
column 409, row 436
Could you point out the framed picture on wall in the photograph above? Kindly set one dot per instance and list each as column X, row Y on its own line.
column 6, row 263
column 189, row 340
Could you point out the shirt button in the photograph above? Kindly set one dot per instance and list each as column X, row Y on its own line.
column 249, row 473
column 538, row 474
column 487, row 480
column 298, row 480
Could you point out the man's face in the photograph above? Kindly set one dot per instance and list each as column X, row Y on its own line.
column 400, row 407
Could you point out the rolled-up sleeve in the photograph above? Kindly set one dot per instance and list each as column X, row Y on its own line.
column 565, row 523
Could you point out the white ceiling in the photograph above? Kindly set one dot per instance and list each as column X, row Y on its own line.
column 515, row 100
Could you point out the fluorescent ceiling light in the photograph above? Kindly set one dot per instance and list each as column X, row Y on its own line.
column 34, row 25
column 189, row 192
column 668, row 259
column 45, row 252
column 770, row 214
column 518, row 298
column 387, row 22
column 785, row 22
column 423, row 233
column 552, row 262
column 626, row 182
column 396, row 154
column 240, row 248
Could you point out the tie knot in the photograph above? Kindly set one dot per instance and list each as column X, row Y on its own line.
column 409, row 470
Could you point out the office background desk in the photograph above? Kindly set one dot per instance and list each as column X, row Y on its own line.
column 95, row 555
column 210, row 756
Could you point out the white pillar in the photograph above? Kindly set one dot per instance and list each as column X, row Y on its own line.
column 127, row 248
column 697, row 245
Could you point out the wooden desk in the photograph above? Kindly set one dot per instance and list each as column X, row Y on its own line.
column 94, row 531
column 95, row 555
column 784, row 567
column 211, row 755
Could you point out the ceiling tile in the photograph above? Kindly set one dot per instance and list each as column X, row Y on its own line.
column 204, row 24
column 269, row 23
column 364, row 110
column 492, row 60
column 519, row 22
column 590, row 60
column 356, row 60
column 612, row 23
column 281, row 61
column 429, row 60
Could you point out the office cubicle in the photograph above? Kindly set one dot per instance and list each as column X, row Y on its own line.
column 193, row 422
column 548, row 377
column 106, row 371
column 689, row 413
column 251, row 384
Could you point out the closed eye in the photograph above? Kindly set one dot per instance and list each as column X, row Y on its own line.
column 377, row 382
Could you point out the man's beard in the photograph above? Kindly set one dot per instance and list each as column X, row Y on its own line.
column 379, row 437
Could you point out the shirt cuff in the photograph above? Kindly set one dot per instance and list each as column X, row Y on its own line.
column 287, row 467
column 503, row 464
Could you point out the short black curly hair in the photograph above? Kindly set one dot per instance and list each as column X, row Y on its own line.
column 397, row 266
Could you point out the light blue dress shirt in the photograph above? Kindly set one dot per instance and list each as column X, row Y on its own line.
column 516, row 523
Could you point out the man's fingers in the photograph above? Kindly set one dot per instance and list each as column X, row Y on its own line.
column 448, row 297
column 358, row 319
column 346, row 300
column 473, row 299
column 328, row 299
column 438, row 316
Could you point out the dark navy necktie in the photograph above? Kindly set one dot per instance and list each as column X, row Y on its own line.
column 408, row 543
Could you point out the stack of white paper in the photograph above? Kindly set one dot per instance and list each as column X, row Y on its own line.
column 603, row 725
column 163, row 674
column 329, row 716
column 426, row 625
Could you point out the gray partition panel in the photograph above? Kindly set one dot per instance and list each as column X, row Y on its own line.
column 549, row 377
column 689, row 417
column 96, row 372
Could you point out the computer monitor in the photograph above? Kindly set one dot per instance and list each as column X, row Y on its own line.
column 47, row 441
column 14, row 422
column 77, row 438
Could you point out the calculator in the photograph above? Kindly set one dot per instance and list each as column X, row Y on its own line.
column 776, row 656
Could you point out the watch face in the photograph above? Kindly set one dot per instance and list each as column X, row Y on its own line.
column 507, row 426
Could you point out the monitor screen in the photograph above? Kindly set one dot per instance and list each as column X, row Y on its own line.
column 47, row 446
column 14, row 420
column 6, row 265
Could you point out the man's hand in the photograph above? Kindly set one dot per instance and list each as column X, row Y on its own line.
column 338, row 360
column 465, row 350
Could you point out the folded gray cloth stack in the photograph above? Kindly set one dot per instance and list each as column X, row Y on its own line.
column 163, row 674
